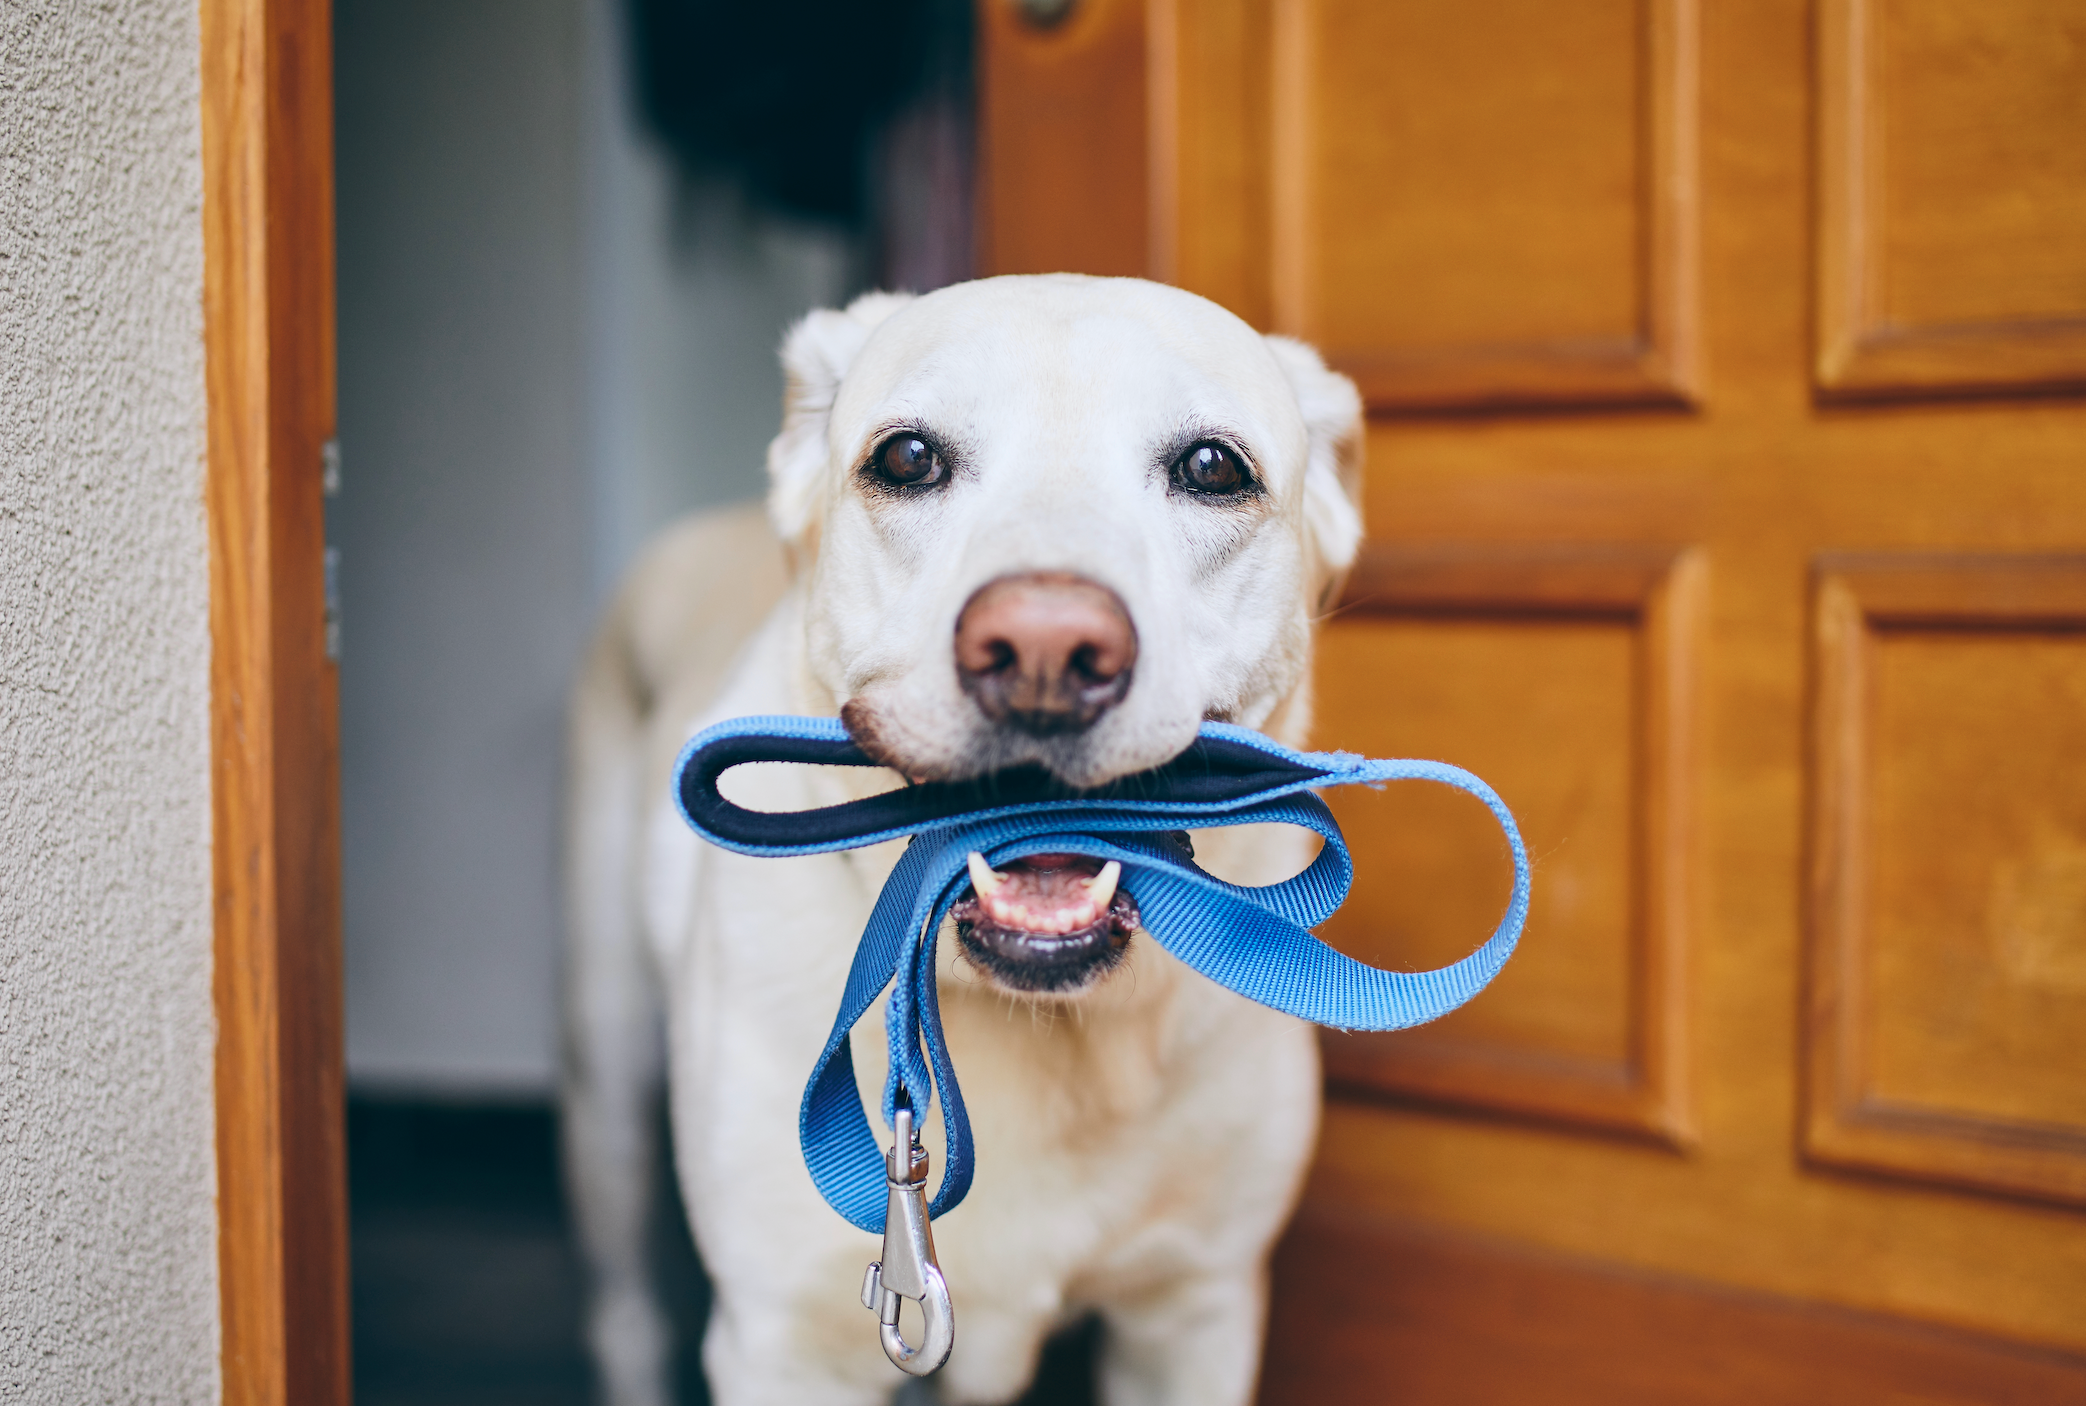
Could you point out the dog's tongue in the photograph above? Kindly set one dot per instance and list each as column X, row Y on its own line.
column 1045, row 893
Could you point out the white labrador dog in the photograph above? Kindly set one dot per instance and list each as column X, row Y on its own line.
column 1054, row 520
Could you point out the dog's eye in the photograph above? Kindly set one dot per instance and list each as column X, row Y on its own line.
column 1211, row 469
column 908, row 461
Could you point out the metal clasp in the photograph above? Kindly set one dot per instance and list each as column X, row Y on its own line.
column 908, row 1269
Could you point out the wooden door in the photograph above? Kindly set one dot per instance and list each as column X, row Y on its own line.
column 266, row 206
column 1727, row 510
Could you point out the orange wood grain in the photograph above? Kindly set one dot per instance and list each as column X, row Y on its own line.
column 1062, row 148
column 1486, row 206
column 1590, row 1027
column 1371, row 1310
column 268, row 319
column 1984, row 851
column 1767, row 472
column 1951, row 198
column 1210, row 138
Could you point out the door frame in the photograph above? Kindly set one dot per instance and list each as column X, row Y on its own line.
column 267, row 208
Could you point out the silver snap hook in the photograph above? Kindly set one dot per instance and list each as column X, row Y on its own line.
column 908, row 1269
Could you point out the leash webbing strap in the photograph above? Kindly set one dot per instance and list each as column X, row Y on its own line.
column 1254, row 941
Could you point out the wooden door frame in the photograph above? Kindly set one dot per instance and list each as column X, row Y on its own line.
column 267, row 132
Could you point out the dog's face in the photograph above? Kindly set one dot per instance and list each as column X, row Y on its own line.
column 1058, row 521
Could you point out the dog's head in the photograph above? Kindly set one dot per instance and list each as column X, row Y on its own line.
column 1058, row 521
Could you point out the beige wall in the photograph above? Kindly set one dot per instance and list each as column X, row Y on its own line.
column 108, row 1284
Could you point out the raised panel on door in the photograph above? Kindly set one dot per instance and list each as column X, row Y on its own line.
column 1379, row 179
column 1952, row 195
column 1563, row 675
column 1949, row 911
column 1486, row 204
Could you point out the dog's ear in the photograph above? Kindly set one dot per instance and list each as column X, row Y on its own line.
column 1333, row 473
column 815, row 358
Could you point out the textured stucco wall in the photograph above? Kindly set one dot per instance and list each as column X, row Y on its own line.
column 108, row 1283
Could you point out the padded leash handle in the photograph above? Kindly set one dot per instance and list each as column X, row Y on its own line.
column 1224, row 766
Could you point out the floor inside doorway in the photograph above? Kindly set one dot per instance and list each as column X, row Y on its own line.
column 466, row 1281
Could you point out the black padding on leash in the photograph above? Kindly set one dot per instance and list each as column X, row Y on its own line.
column 1211, row 771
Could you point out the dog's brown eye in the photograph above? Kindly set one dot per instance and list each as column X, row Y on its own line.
column 909, row 462
column 1210, row 468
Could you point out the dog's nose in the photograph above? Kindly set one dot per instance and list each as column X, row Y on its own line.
column 1047, row 652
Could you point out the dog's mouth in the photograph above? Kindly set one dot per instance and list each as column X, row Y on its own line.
column 1047, row 923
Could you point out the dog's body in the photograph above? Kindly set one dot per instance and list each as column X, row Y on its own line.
column 964, row 483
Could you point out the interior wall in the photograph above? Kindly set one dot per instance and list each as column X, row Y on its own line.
column 550, row 346
column 108, row 1255
column 689, row 290
column 462, row 521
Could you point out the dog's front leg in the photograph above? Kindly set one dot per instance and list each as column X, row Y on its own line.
column 1195, row 1344
column 761, row 1355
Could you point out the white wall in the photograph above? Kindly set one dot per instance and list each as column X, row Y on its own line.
column 462, row 521
column 108, row 1273
column 548, row 348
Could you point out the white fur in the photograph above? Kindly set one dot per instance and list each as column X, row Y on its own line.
column 1139, row 1144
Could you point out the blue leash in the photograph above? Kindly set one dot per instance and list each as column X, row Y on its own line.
column 1255, row 941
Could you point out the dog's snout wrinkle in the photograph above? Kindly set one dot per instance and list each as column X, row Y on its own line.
column 1046, row 652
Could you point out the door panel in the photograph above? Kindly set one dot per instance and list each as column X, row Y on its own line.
column 1484, row 204
column 1949, row 968
column 1564, row 676
column 1952, row 195
column 1727, row 500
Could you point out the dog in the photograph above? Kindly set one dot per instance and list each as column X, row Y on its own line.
column 1040, row 520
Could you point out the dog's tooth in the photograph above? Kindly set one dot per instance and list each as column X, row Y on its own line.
column 1101, row 888
column 984, row 878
